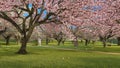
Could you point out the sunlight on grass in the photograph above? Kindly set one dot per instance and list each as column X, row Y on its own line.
column 63, row 56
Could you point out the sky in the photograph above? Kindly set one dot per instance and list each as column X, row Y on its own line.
column 39, row 11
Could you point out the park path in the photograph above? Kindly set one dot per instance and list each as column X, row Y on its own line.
column 112, row 53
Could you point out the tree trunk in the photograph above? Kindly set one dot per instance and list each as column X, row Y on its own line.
column 39, row 41
column 47, row 41
column 75, row 42
column 81, row 41
column 63, row 42
column 104, row 43
column 118, row 41
column 59, row 41
column 93, row 42
column 86, row 42
column 24, row 40
column 7, row 40
column 22, row 49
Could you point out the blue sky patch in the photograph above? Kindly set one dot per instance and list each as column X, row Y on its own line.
column 25, row 14
column 30, row 6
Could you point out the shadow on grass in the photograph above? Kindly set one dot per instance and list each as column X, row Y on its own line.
column 41, row 57
column 8, row 51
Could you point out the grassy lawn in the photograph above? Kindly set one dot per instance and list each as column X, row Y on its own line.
column 63, row 56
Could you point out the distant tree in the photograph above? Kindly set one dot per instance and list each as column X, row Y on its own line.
column 55, row 31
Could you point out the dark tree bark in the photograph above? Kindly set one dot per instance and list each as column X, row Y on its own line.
column 58, row 37
column 93, row 42
column 63, row 41
column 7, row 38
column 86, row 42
column 24, row 40
column 104, row 43
column 81, row 41
column 118, row 41
column 22, row 49
column 59, row 41
column 103, row 40
column 47, row 41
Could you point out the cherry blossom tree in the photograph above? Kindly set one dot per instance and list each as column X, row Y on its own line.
column 9, row 31
column 55, row 31
column 25, row 15
column 106, row 32
column 87, row 33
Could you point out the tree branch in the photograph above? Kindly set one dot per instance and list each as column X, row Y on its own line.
column 4, row 16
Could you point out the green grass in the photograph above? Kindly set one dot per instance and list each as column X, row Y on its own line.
column 96, row 47
column 63, row 56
